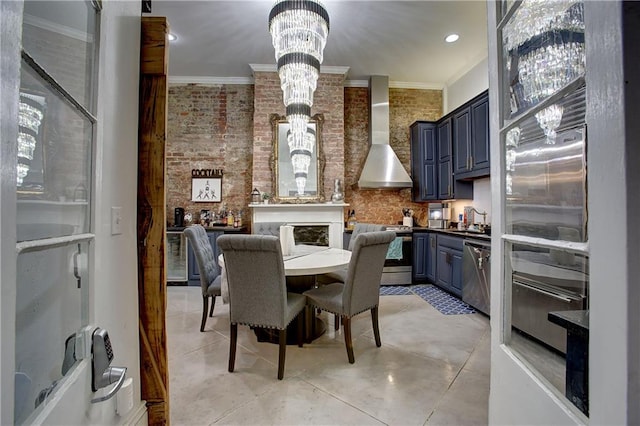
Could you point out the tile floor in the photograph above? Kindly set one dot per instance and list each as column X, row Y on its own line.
column 432, row 369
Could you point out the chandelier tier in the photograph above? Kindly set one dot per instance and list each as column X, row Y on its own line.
column 299, row 30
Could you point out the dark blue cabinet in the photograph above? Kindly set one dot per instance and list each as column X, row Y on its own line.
column 420, row 258
column 431, row 256
column 471, row 139
column 424, row 161
column 449, row 264
column 445, row 189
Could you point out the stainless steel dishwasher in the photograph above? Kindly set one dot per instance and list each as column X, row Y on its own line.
column 476, row 274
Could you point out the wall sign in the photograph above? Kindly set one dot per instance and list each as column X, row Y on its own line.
column 206, row 185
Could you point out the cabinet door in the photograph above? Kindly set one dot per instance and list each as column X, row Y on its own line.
column 456, row 272
column 424, row 162
column 431, row 257
column 444, row 140
column 443, row 269
column 420, row 257
column 480, row 160
column 461, row 141
column 445, row 190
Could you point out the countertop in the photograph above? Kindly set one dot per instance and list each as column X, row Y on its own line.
column 210, row 228
column 452, row 232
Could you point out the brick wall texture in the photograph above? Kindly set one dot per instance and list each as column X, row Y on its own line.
column 227, row 127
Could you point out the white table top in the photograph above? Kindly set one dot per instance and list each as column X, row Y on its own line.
column 319, row 260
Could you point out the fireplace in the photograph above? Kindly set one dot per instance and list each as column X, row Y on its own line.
column 311, row 216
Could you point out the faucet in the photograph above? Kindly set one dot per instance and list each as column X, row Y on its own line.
column 483, row 214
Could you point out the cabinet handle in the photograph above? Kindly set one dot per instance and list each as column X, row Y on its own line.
column 433, row 242
column 448, row 258
column 449, row 190
column 471, row 162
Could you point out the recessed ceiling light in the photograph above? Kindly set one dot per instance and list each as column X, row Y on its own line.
column 172, row 37
column 451, row 38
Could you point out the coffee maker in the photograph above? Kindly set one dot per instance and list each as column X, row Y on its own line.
column 178, row 217
column 438, row 215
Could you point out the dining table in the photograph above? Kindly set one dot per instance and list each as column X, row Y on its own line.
column 301, row 267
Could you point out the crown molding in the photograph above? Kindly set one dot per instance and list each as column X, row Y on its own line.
column 45, row 24
column 323, row 69
column 209, row 81
column 397, row 85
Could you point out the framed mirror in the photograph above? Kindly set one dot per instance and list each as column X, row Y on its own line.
column 289, row 183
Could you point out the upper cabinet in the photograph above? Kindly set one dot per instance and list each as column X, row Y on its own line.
column 471, row 139
column 424, row 161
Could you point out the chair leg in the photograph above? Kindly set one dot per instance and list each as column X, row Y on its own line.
column 282, row 340
column 376, row 329
column 300, row 327
column 205, row 307
column 232, row 346
column 213, row 303
column 336, row 322
column 346, row 324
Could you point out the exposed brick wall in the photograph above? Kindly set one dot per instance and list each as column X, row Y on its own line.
column 227, row 126
column 209, row 127
column 405, row 107
column 328, row 100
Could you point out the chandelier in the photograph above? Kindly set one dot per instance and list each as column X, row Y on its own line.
column 299, row 30
column 30, row 115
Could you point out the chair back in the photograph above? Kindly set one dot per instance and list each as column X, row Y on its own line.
column 256, row 278
column 205, row 258
column 267, row 228
column 361, row 228
column 362, row 286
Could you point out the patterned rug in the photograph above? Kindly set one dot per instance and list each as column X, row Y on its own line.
column 439, row 299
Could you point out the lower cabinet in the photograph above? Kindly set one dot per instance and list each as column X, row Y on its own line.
column 449, row 264
column 426, row 259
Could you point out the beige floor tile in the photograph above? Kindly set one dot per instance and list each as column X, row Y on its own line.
column 416, row 375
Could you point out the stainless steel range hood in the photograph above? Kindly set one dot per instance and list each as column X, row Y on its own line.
column 382, row 168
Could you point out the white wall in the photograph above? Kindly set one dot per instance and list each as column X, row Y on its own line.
column 462, row 89
column 457, row 92
column 115, row 298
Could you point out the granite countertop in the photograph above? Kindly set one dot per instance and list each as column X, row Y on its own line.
column 452, row 232
column 209, row 228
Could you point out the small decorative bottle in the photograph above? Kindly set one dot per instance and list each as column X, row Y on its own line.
column 351, row 222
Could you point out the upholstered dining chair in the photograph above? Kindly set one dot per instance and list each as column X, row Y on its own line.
column 258, row 294
column 361, row 289
column 210, row 279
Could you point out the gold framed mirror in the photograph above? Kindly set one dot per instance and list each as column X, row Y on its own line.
column 286, row 188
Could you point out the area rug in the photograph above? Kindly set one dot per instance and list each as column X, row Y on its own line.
column 441, row 300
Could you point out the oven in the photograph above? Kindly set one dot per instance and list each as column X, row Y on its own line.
column 398, row 264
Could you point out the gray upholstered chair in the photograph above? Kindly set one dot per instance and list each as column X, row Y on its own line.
column 361, row 289
column 267, row 228
column 210, row 279
column 341, row 275
column 258, row 294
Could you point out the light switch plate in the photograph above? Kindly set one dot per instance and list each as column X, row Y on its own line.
column 116, row 220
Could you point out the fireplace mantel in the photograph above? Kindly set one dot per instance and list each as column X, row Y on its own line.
column 300, row 214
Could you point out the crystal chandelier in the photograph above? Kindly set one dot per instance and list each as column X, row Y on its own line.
column 299, row 30
column 30, row 115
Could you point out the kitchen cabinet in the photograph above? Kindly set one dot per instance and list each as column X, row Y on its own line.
column 424, row 257
column 431, row 256
column 424, row 161
column 449, row 264
column 448, row 187
column 471, row 139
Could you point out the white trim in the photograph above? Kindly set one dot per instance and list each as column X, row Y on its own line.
column 397, row 85
column 323, row 69
column 209, row 80
column 64, row 30
column 137, row 416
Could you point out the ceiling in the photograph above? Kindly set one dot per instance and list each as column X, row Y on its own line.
column 218, row 40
